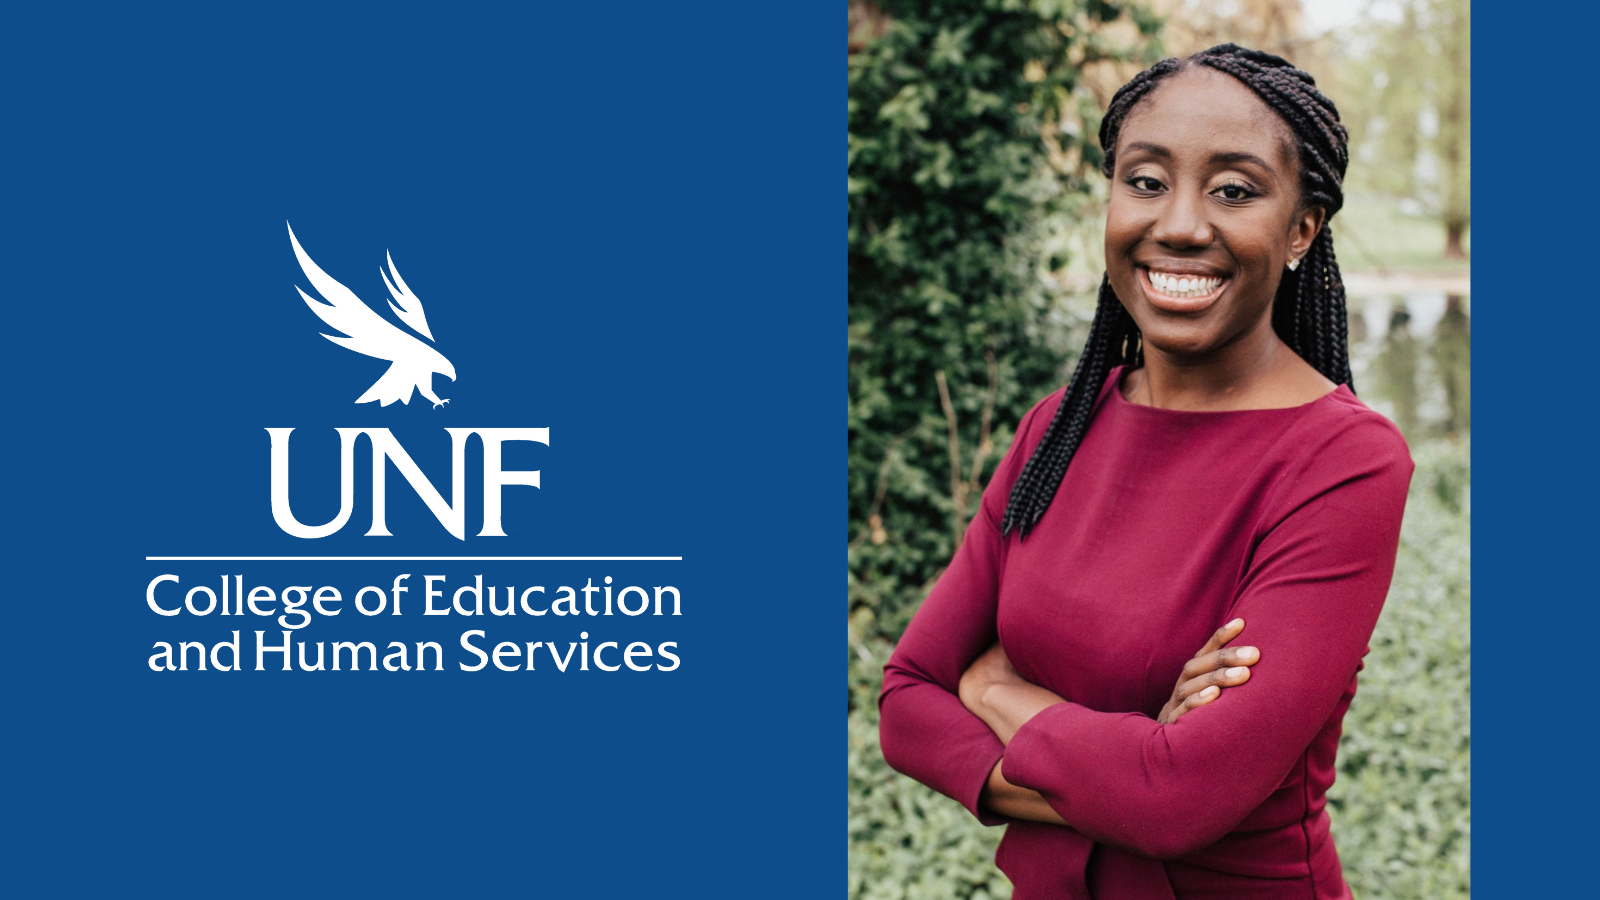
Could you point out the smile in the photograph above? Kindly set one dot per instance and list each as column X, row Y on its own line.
column 1175, row 292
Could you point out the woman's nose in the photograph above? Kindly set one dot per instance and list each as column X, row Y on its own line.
column 1182, row 223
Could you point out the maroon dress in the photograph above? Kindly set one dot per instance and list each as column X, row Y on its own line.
column 1167, row 525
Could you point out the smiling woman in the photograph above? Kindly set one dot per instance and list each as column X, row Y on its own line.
column 1195, row 235
column 1207, row 475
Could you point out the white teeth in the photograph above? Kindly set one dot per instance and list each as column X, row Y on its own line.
column 1183, row 287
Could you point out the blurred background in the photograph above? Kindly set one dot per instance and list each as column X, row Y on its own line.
column 975, row 216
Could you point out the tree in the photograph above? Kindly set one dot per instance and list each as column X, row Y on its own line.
column 1410, row 113
column 970, row 134
column 1276, row 26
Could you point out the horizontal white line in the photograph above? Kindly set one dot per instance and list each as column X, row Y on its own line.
column 413, row 559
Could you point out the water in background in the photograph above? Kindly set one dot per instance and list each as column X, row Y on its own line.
column 1411, row 358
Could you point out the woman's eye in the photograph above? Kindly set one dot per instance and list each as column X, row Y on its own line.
column 1144, row 183
column 1235, row 192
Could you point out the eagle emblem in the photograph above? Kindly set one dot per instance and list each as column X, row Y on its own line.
column 412, row 362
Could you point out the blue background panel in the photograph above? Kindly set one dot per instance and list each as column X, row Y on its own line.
column 1535, row 491
column 622, row 222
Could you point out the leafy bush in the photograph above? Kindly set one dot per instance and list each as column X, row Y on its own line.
column 966, row 125
column 908, row 842
column 1402, row 805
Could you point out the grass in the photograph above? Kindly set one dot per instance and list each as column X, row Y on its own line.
column 1372, row 231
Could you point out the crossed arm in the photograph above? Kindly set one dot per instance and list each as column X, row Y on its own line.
column 993, row 691
column 959, row 720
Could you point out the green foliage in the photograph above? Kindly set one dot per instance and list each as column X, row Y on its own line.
column 959, row 166
column 1402, row 805
column 1401, row 808
column 908, row 842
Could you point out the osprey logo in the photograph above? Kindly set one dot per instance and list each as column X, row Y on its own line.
column 412, row 361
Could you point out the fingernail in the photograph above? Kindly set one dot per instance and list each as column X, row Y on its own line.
column 1210, row 692
column 1237, row 672
column 1236, row 623
column 1248, row 653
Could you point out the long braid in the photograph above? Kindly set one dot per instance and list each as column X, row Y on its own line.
column 1113, row 340
column 1309, row 308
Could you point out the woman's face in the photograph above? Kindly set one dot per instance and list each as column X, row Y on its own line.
column 1204, row 214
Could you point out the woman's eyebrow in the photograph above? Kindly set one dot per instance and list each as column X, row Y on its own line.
column 1239, row 156
column 1231, row 157
column 1152, row 149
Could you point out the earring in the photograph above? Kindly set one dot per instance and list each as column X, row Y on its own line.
column 1294, row 264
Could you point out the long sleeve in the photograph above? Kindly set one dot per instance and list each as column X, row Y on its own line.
column 924, row 729
column 1310, row 595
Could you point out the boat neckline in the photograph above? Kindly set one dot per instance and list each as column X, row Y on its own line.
column 1122, row 371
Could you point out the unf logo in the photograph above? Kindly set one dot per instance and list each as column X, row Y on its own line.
column 453, row 515
column 412, row 366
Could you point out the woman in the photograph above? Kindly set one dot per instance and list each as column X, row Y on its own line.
column 1207, row 473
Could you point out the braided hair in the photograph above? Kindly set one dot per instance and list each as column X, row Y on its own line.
column 1308, row 310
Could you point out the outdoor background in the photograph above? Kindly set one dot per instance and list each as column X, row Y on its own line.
column 975, row 209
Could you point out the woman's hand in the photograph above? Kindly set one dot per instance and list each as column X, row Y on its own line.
column 1212, row 669
column 993, row 691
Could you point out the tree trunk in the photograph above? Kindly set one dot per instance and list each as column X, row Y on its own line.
column 1452, row 361
column 1452, row 241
